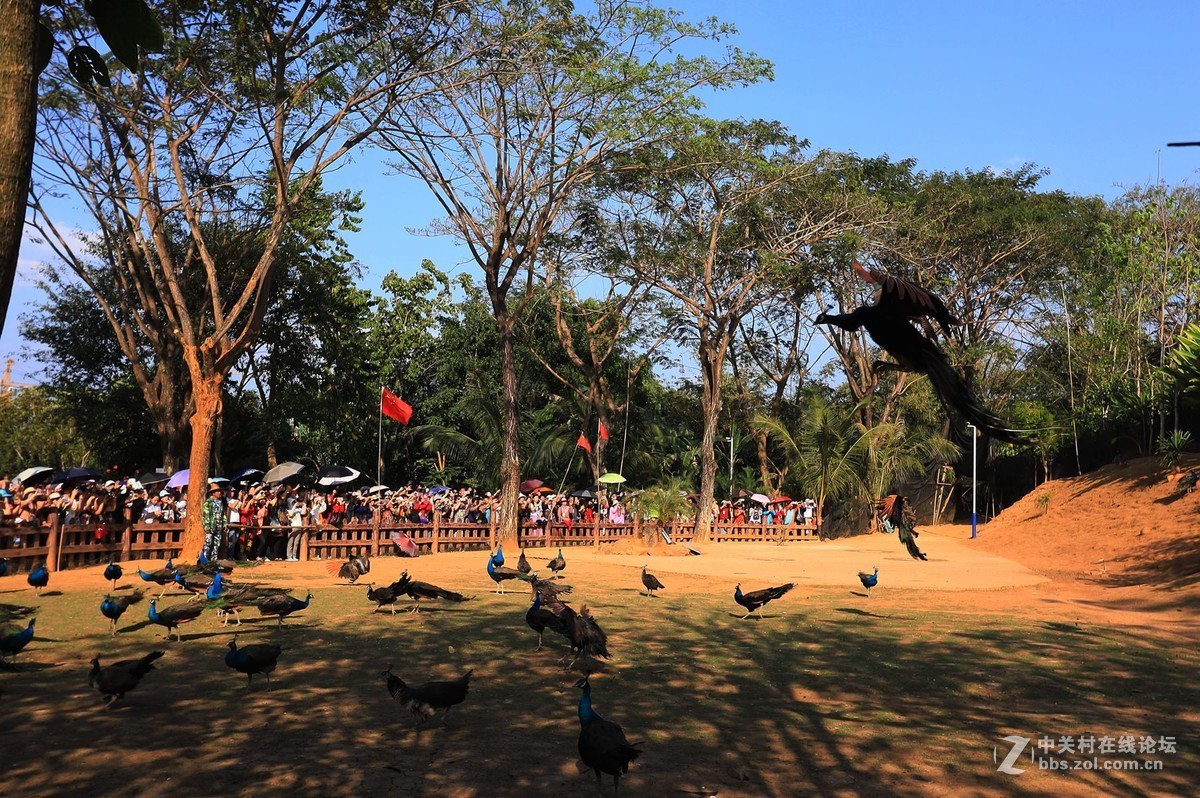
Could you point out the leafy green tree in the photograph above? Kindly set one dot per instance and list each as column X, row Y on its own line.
column 37, row 430
column 507, row 136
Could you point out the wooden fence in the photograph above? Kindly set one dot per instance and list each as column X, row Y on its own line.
column 76, row 546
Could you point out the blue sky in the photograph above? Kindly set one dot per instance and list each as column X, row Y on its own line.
column 1092, row 91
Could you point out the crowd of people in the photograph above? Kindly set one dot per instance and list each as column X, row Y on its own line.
column 259, row 521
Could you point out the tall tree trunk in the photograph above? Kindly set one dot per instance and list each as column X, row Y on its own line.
column 510, row 456
column 206, row 394
column 710, row 405
column 18, row 117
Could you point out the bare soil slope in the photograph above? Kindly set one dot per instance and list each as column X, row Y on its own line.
column 1118, row 526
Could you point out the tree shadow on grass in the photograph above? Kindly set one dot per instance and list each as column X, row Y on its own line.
column 823, row 703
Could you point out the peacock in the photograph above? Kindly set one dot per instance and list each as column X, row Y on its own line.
column 499, row 575
column 523, row 564
column 540, row 619
column 586, row 636
column 231, row 600
column 117, row 679
column 651, row 583
column 113, row 607
column 603, row 746
column 383, row 595
column 113, row 572
column 12, row 642
column 352, row 569
column 758, row 598
column 195, row 584
column 869, row 580
column 549, row 589
column 558, row 563
column 257, row 658
column 3, row 566
column 163, row 577
column 174, row 617
column 282, row 605
column 417, row 590
column 426, row 699
column 498, row 557
column 38, row 578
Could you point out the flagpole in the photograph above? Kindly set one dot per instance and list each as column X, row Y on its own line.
column 562, row 484
column 379, row 461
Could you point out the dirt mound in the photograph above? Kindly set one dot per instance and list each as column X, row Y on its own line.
column 1121, row 525
column 641, row 548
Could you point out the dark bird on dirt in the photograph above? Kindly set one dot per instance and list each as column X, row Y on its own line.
column 163, row 577
column 586, row 636
column 558, row 563
column 282, row 605
column 887, row 322
column 549, row 589
column 113, row 572
column 231, row 599
column 540, row 619
column 113, row 607
column 417, row 590
column 758, row 598
column 174, row 617
column 115, row 680
column 602, row 743
column 38, row 578
column 651, row 583
column 208, row 567
column 498, row 557
column 523, row 564
column 12, row 642
column 428, row 698
column 869, row 580
column 350, row 570
column 383, row 596
column 500, row 575
column 252, row 659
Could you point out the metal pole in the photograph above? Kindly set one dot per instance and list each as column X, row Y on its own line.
column 730, row 439
column 974, row 466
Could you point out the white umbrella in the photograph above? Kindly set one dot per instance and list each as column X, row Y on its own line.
column 282, row 472
column 32, row 476
column 760, row 498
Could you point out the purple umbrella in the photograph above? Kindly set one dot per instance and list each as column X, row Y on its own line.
column 179, row 479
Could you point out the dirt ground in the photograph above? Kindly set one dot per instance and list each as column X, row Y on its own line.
column 1057, row 622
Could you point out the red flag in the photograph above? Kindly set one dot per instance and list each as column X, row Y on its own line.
column 603, row 431
column 583, row 443
column 393, row 406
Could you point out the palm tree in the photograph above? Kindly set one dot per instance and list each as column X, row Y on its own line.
column 830, row 449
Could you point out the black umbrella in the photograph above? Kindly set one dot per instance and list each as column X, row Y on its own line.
column 74, row 476
column 246, row 475
column 584, row 494
column 283, row 472
column 337, row 475
column 153, row 478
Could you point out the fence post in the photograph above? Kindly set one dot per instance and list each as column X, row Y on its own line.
column 376, row 520
column 596, row 532
column 54, row 520
column 437, row 532
column 304, row 544
column 127, row 537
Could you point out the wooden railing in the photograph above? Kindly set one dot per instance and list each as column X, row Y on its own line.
column 76, row 546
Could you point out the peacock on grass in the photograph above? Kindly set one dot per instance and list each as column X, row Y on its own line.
column 255, row 658
column 869, row 580
column 603, row 746
column 758, row 598
column 113, row 607
column 117, row 679
column 13, row 641
column 113, row 572
column 651, row 583
column 173, row 617
column 500, row 575
column 427, row 699
column 38, row 578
